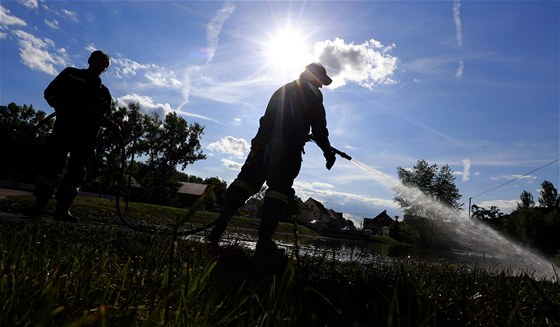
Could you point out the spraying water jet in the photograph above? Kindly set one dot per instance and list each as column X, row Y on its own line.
column 471, row 233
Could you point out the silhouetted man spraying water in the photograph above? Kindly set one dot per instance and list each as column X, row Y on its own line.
column 276, row 153
column 80, row 101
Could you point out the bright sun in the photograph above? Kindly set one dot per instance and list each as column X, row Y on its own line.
column 287, row 50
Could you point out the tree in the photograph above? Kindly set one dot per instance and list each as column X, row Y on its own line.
column 418, row 225
column 105, row 165
column 21, row 141
column 549, row 198
column 439, row 185
column 169, row 144
column 537, row 227
column 490, row 216
column 172, row 143
column 189, row 178
column 526, row 200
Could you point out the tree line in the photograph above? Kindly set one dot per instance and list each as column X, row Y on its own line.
column 536, row 225
column 154, row 150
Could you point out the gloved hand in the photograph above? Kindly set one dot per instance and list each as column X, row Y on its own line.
column 330, row 157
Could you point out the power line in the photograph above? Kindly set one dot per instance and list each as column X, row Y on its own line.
column 513, row 180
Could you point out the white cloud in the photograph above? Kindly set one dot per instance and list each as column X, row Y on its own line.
column 124, row 67
column 458, row 23
column 3, row 35
column 155, row 75
column 322, row 191
column 206, row 87
column 459, row 72
column 6, row 19
column 147, row 104
column 323, row 185
column 431, row 66
column 505, row 206
column 466, row 169
column 214, row 28
column 514, row 176
column 367, row 64
column 91, row 47
column 230, row 145
column 70, row 15
column 52, row 24
column 230, row 164
column 31, row 4
column 193, row 115
column 34, row 53
column 162, row 78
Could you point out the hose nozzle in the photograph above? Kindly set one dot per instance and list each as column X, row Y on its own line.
column 342, row 154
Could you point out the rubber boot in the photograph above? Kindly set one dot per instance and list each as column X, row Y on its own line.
column 43, row 193
column 235, row 198
column 272, row 210
column 64, row 200
column 268, row 258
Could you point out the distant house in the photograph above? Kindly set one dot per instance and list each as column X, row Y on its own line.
column 188, row 193
column 336, row 219
column 317, row 212
column 377, row 224
column 134, row 183
column 309, row 211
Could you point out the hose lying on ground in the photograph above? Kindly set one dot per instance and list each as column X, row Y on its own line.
column 147, row 229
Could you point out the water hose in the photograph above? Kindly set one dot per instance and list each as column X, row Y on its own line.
column 147, row 229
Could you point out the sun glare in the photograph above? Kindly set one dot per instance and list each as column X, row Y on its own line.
column 287, row 50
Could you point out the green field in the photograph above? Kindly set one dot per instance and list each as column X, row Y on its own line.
column 100, row 273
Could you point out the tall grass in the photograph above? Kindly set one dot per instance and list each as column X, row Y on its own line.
column 60, row 274
column 110, row 277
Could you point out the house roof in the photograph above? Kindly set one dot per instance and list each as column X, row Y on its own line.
column 380, row 218
column 192, row 188
column 335, row 215
column 317, row 203
column 383, row 215
column 329, row 212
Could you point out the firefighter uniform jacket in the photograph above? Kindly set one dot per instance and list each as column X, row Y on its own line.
column 292, row 111
column 79, row 99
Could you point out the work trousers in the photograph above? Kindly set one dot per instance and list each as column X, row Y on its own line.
column 277, row 164
column 68, row 146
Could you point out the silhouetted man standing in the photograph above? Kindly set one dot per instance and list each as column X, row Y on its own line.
column 276, row 153
column 80, row 101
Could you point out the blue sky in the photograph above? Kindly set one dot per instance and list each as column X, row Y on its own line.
column 469, row 84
